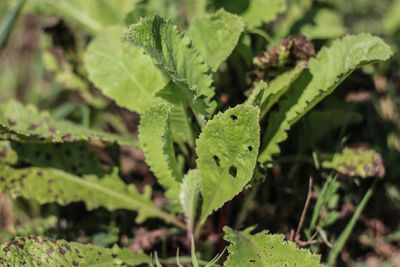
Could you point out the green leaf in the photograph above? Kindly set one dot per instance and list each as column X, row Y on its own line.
column 41, row 251
column 91, row 15
column 327, row 24
column 216, row 36
column 193, row 8
column 180, row 120
column 261, row 11
column 278, row 86
column 331, row 66
column 253, row 12
column 36, row 226
column 391, row 20
column 27, row 124
column 227, row 151
column 264, row 249
column 156, row 143
column 257, row 94
column 77, row 158
column 52, row 185
column 7, row 154
column 361, row 162
column 174, row 52
column 121, row 71
column 8, row 21
column 149, row 8
column 190, row 189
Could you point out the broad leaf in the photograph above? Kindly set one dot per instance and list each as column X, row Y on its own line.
column 27, row 124
column 174, row 52
column 121, row 71
column 278, row 86
column 156, row 143
column 162, row 8
column 327, row 24
column 261, row 11
column 7, row 154
column 361, row 162
column 77, row 158
column 325, row 73
column 193, row 8
column 190, row 189
column 91, row 15
column 41, row 251
column 51, row 185
column 391, row 20
column 35, row 226
column 257, row 94
column 264, row 249
column 227, row 151
column 216, row 36
column 179, row 119
column 253, row 12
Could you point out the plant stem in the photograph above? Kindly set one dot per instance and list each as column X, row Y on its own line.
column 303, row 215
column 341, row 241
column 171, row 219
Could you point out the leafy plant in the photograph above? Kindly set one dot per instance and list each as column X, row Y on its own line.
column 202, row 152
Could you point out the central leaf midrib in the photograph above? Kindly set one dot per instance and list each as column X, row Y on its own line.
column 103, row 189
column 264, row 261
column 123, row 65
column 224, row 173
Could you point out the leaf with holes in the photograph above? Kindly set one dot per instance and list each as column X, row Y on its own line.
column 174, row 52
column 216, row 36
column 41, row 251
column 27, row 124
column 227, row 151
column 331, row 66
column 122, row 72
column 156, row 142
column 264, row 249
column 360, row 161
column 51, row 185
